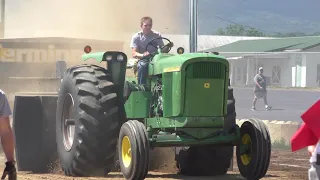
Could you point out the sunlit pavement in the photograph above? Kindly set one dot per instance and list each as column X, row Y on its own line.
column 287, row 105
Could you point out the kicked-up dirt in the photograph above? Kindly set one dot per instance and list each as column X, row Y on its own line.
column 284, row 165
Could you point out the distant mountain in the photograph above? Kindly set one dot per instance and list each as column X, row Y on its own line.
column 270, row 16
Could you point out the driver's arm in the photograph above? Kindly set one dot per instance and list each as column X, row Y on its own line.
column 135, row 54
column 134, row 46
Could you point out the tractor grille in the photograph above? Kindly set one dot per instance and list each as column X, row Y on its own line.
column 205, row 70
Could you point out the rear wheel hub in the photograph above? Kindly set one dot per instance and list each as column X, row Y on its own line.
column 68, row 122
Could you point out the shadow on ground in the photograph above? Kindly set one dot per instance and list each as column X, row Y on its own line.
column 224, row 177
column 176, row 176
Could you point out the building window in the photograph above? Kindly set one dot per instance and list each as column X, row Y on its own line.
column 24, row 57
column 238, row 74
column 276, row 74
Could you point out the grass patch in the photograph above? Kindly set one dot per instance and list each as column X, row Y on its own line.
column 280, row 144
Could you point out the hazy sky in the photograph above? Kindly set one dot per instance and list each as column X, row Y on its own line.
column 105, row 19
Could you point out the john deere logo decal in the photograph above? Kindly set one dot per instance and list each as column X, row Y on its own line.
column 206, row 85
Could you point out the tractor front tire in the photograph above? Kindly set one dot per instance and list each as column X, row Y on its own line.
column 87, row 121
column 253, row 153
column 133, row 149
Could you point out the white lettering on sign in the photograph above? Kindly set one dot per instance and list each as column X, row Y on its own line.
column 39, row 55
column 7, row 54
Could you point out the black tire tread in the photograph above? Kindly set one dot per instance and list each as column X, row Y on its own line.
column 261, row 152
column 98, row 121
column 266, row 148
column 141, row 166
column 146, row 147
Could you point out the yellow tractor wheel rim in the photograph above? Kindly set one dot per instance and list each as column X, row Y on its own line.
column 126, row 151
column 246, row 158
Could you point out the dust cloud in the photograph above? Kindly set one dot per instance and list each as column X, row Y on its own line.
column 113, row 20
column 97, row 19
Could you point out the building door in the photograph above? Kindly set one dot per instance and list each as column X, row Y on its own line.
column 298, row 74
column 318, row 74
column 276, row 74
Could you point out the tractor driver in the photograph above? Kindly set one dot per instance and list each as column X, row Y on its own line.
column 138, row 44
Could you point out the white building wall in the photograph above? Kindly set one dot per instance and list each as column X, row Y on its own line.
column 303, row 70
column 286, row 73
column 238, row 76
column 312, row 60
column 241, row 77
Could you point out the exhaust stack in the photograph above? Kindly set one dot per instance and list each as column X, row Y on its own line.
column 193, row 24
column 3, row 2
column 3, row 7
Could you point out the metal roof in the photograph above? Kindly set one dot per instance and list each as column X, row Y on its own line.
column 266, row 45
column 205, row 41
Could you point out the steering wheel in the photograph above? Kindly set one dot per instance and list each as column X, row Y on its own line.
column 152, row 44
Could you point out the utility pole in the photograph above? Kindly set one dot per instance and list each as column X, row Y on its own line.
column 2, row 14
column 193, row 24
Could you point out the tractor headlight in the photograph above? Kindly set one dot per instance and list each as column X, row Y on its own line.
column 109, row 58
column 120, row 57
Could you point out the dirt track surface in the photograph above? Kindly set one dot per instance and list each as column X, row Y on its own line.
column 283, row 165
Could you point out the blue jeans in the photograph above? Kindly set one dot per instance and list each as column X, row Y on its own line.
column 142, row 71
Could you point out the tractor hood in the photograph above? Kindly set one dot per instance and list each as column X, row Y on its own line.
column 172, row 63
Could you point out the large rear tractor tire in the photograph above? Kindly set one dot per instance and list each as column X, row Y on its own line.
column 34, row 129
column 87, row 121
column 133, row 150
column 208, row 160
column 253, row 153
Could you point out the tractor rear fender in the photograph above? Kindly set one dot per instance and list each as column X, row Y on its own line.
column 34, row 128
column 116, row 65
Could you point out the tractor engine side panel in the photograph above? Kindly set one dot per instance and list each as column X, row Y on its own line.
column 171, row 94
column 138, row 104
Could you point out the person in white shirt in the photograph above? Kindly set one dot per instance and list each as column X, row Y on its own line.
column 314, row 171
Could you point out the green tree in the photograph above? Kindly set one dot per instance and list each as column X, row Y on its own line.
column 290, row 34
column 235, row 30
column 254, row 32
column 221, row 32
column 239, row 30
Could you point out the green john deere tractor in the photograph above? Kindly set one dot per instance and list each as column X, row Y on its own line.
column 100, row 116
